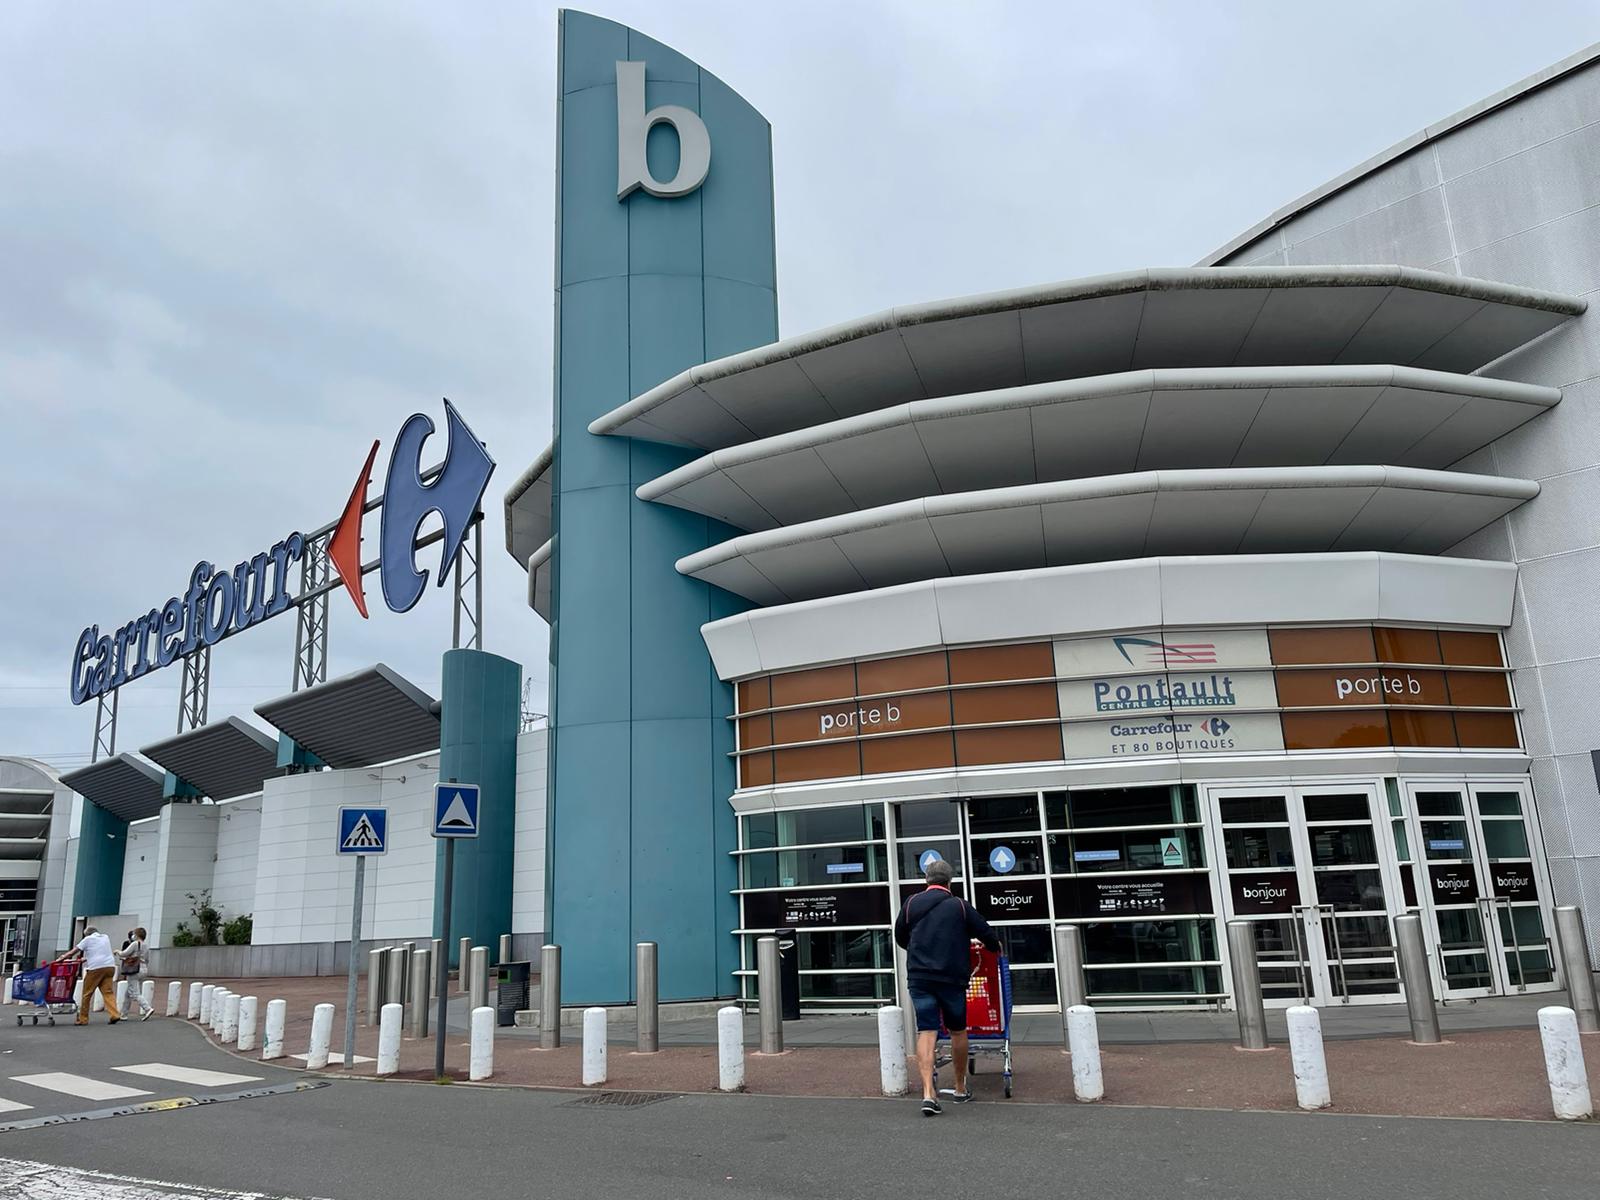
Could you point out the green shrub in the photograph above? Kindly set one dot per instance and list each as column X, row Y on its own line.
column 237, row 931
column 183, row 937
column 207, row 915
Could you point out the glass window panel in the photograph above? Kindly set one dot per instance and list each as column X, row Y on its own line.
column 1536, row 966
column 1149, row 941
column 1033, row 987
column 1246, row 810
column 927, row 818
column 1263, row 847
column 846, row 987
column 1460, row 929
column 1391, row 788
column 1350, row 891
column 1445, row 839
column 1500, row 804
column 1361, row 936
column 790, row 868
column 1002, row 814
column 1029, row 852
column 1467, row 970
column 1439, row 804
column 1101, row 807
column 1345, row 807
column 1402, row 841
column 1026, row 943
column 1122, row 981
column 1338, row 845
column 907, row 854
column 1110, row 850
column 1505, row 839
column 1522, row 925
column 839, row 823
column 761, row 829
column 843, row 950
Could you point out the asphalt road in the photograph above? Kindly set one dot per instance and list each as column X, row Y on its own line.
column 385, row 1141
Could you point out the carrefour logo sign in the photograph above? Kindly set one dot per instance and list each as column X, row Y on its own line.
column 217, row 604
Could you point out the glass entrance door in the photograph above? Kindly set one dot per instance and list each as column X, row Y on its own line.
column 1484, row 888
column 1308, row 867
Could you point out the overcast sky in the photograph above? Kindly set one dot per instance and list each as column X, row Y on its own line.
column 240, row 241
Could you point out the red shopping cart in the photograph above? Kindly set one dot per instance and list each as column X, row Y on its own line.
column 988, row 1015
column 49, row 989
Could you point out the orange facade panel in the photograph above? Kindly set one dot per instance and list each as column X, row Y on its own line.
column 1019, row 702
column 809, row 687
column 985, row 664
column 1017, row 743
column 1352, row 645
column 914, row 752
column 907, row 673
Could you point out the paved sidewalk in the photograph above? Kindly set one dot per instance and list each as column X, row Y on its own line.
column 1490, row 1066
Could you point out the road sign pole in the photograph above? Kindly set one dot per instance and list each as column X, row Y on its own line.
column 355, row 959
column 444, row 959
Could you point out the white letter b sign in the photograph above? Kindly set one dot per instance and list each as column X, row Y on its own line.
column 633, row 130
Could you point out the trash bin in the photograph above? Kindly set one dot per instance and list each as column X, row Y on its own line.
column 789, row 973
column 511, row 995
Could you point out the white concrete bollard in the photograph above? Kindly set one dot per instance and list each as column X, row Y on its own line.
column 321, row 1035
column 122, row 996
column 1305, row 1052
column 174, row 997
column 230, row 1018
column 77, row 991
column 594, row 1046
column 390, row 1018
column 272, row 1043
column 730, row 1049
column 219, row 1006
column 147, row 994
column 208, row 993
column 97, row 1002
column 1563, row 1063
column 195, row 992
column 481, row 1064
column 891, row 1051
column 1083, row 1043
column 249, row 1006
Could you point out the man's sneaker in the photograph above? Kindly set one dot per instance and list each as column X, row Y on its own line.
column 962, row 1097
column 146, row 1015
column 930, row 1108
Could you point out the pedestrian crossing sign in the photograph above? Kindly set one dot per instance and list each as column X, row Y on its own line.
column 455, row 810
column 363, row 830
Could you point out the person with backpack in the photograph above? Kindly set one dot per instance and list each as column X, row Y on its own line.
column 935, row 929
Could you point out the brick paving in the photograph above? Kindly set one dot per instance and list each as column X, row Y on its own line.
column 1476, row 1073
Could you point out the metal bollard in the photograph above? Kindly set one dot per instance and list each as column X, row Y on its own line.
column 421, row 968
column 549, row 997
column 248, row 1009
column 1071, row 987
column 594, row 1046
column 463, row 959
column 277, row 1017
column 481, row 1063
column 394, row 976
column 1563, row 1064
column 174, row 997
column 230, row 1018
column 195, row 990
column 1247, row 985
column 1305, row 1053
column 730, row 1049
column 375, row 983
column 435, row 948
column 321, row 1036
column 768, row 995
column 892, row 1070
column 389, row 1022
column 478, row 983
column 411, row 949
column 1575, row 967
column 648, row 1006
column 1083, row 1041
column 505, row 950
column 1413, row 956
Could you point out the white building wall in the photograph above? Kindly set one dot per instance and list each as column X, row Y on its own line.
column 52, row 888
column 188, row 855
column 139, row 863
column 233, row 880
column 527, row 885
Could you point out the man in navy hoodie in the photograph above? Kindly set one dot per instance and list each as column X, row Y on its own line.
column 935, row 929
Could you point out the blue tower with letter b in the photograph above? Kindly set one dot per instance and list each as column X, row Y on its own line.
column 664, row 260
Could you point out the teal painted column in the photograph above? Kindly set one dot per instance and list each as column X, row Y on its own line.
column 480, row 710
column 640, row 826
column 102, row 850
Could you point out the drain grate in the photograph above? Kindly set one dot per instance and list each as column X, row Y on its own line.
column 619, row 1099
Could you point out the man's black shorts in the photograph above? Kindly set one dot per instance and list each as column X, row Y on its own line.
column 933, row 1000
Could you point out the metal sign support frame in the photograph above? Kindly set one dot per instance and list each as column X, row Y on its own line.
column 105, row 725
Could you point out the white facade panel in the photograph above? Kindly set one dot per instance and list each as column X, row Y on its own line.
column 528, row 880
column 139, row 862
